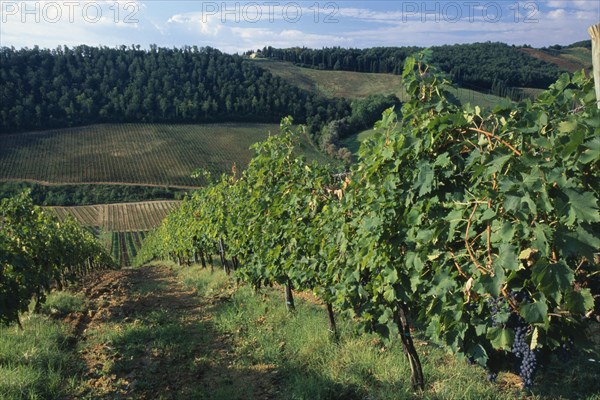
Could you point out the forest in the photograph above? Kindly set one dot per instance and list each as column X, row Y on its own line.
column 43, row 89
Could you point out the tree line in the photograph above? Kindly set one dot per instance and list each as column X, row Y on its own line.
column 54, row 88
column 81, row 195
column 479, row 65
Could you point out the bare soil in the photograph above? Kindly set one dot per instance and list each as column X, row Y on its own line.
column 145, row 336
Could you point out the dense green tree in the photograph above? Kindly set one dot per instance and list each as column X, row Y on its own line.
column 41, row 89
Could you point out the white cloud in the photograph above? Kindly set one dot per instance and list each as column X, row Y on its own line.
column 197, row 22
column 54, row 23
column 254, row 38
column 589, row 5
column 560, row 13
column 375, row 16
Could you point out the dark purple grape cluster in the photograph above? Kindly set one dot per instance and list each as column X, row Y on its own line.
column 495, row 305
column 527, row 358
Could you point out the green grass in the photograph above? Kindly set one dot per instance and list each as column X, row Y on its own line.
column 147, row 154
column 39, row 362
column 580, row 55
column 357, row 85
column 310, row 365
column 61, row 303
column 223, row 341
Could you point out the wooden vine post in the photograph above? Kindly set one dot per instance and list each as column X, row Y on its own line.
column 594, row 32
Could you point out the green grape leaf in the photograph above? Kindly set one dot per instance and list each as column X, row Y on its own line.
column 424, row 180
column 552, row 279
column 592, row 151
column 507, row 257
column 579, row 302
column 578, row 242
column 536, row 312
column 501, row 338
column 584, row 205
column 478, row 354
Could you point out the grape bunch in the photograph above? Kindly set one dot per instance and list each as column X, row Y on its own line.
column 527, row 364
column 495, row 305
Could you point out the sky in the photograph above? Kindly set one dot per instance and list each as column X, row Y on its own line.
column 235, row 27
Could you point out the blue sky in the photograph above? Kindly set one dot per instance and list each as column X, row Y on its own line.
column 244, row 25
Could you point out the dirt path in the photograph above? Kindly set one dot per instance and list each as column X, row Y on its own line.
column 145, row 336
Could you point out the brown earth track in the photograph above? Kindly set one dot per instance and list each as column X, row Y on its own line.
column 122, row 301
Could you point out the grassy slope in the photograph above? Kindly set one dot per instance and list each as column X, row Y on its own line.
column 356, row 85
column 190, row 333
column 572, row 59
column 132, row 153
column 353, row 142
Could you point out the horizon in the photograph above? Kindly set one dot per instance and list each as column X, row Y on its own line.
column 237, row 27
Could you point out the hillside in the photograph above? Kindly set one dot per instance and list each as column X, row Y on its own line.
column 124, row 217
column 122, row 227
column 482, row 66
column 569, row 59
column 356, row 85
column 148, row 154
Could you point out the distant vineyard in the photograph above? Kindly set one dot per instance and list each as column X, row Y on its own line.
column 120, row 227
column 124, row 217
column 125, row 245
column 151, row 154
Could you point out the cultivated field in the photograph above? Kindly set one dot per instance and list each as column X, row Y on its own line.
column 149, row 154
column 574, row 59
column 120, row 227
column 122, row 217
column 125, row 245
column 356, row 85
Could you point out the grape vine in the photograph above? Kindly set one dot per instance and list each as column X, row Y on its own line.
column 37, row 251
column 454, row 220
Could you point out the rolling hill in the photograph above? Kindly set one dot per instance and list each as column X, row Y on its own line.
column 356, row 85
column 569, row 59
column 122, row 217
column 142, row 154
